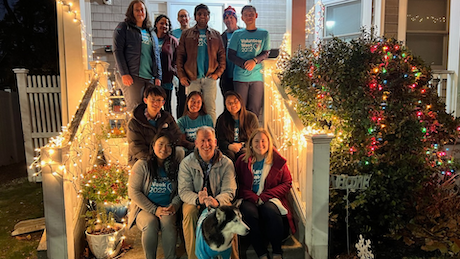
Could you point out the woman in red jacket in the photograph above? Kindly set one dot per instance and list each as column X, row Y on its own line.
column 264, row 181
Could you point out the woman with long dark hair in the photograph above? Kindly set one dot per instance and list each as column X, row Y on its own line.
column 234, row 126
column 154, row 196
column 136, row 53
column 168, row 45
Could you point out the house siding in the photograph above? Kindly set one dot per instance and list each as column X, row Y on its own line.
column 272, row 17
column 391, row 18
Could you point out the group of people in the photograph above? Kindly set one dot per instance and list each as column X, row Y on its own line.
column 181, row 167
column 198, row 56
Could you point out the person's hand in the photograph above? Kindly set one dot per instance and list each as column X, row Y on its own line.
column 157, row 82
column 184, row 81
column 170, row 209
column 127, row 80
column 202, row 195
column 214, row 77
column 211, row 202
column 162, row 211
column 235, row 147
column 259, row 202
column 249, row 64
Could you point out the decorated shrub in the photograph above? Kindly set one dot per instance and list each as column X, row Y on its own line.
column 374, row 95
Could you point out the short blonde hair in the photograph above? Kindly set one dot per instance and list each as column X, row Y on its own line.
column 250, row 152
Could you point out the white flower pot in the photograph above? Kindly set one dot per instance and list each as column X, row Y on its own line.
column 116, row 149
column 105, row 245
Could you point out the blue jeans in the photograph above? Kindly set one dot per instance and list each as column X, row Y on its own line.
column 150, row 225
column 208, row 88
column 252, row 95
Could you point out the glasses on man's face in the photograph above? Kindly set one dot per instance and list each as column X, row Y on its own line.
column 157, row 100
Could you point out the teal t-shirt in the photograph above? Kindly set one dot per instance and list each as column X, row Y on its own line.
column 249, row 44
column 160, row 42
column 146, row 64
column 236, row 137
column 229, row 66
column 176, row 33
column 160, row 190
column 202, row 58
column 257, row 172
column 189, row 126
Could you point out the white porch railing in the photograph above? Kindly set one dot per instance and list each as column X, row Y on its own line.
column 40, row 103
column 445, row 83
column 63, row 160
column 307, row 156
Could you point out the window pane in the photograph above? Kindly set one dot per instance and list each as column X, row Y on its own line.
column 428, row 46
column 343, row 18
column 427, row 15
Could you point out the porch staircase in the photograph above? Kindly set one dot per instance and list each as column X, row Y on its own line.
column 292, row 248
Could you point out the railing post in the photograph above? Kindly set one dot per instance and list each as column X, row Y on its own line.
column 54, row 203
column 21, row 80
column 317, row 192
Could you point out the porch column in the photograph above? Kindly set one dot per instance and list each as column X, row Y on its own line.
column 72, row 55
column 454, row 54
column 317, row 195
column 295, row 23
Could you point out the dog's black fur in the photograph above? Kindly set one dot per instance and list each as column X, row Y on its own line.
column 219, row 227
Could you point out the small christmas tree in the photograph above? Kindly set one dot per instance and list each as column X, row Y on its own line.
column 283, row 58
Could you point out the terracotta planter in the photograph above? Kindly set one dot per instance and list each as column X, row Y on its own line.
column 105, row 245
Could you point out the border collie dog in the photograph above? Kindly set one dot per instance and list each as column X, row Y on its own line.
column 215, row 231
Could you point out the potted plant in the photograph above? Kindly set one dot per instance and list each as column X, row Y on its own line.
column 103, row 233
column 106, row 189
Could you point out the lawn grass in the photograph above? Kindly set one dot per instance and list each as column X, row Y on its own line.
column 19, row 200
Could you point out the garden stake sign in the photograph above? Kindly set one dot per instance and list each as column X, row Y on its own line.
column 353, row 183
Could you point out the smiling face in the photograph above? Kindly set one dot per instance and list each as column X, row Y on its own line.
column 162, row 148
column 139, row 13
column 206, row 143
column 202, row 18
column 195, row 103
column 230, row 22
column 162, row 26
column 260, row 144
column 183, row 18
column 233, row 105
column 154, row 104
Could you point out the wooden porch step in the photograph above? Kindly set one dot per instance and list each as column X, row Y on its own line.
column 292, row 248
column 42, row 248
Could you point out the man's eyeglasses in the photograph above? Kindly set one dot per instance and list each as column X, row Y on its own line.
column 158, row 100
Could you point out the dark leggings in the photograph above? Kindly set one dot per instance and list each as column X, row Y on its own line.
column 266, row 224
column 167, row 105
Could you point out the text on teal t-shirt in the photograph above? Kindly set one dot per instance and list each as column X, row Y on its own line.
column 161, row 189
column 249, row 44
column 257, row 172
column 202, row 58
column 147, row 56
column 189, row 126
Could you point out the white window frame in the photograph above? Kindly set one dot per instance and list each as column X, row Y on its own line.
column 366, row 16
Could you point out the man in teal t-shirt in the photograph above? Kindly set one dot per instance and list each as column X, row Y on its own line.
column 247, row 49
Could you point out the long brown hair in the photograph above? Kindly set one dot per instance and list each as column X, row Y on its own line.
column 250, row 152
column 130, row 14
column 229, row 122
